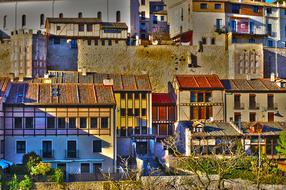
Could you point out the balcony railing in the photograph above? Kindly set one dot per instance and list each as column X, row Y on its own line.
column 238, row 106
column 254, row 106
column 272, row 106
column 71, row 154
column 47, row 154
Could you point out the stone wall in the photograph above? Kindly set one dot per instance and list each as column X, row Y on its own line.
column 270, row 62
column 5, row 61
column 160, row 62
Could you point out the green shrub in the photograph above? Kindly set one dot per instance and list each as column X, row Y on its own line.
column 30, row 160
column 26, row 183
column 41, row 169
column 14, row 183
column 19, row 170
column 58, row 176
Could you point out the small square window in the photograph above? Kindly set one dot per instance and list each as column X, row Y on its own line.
column 83, row 123
column 61, row 123
column 103, row 42
column 84, row 167
column 89, row 28
column 110, row 42
column 20, row 147
column 18, row 123
column 58, row 27
column 104, row 123
column 81, row 27
column 136, row 96
column 123, row 96
column 137, row 112
column 50, row 122
column 144, row 112
column 130, row 112
column 143, row 96
column 130, row 96
column 93, row 122
column 72, row 123
column 203, row 6
column 217, row 6
column 97, row 146
column 123, row 112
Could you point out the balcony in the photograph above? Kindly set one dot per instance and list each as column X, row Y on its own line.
column 47, row 154
column 254, row 106
column 238, row 106
column 220, row 29
column 272, row 106
column 71, row 154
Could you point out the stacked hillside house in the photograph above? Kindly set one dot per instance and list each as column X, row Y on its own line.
column 38, row 117
column 227, row 22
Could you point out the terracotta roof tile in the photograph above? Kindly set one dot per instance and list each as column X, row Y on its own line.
column 199, row 82
column 87, row 94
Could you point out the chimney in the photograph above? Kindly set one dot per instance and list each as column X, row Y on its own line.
column 83, row 71
column 21, row 77
column 12, row 76
column 108, row 82
column 272, row 77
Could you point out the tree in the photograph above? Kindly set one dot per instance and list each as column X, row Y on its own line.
column 281, row 148
column 30, row 160
column 26, row 183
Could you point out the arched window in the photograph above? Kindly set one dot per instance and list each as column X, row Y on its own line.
column 118, row 16
column 23, row 20
column 61, row 15
column 80, row 15
column 5, row 21
column 42, row 19
column 99, row 15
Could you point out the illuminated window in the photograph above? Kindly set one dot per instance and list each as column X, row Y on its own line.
column 203, row 6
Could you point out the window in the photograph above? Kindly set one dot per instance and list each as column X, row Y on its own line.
column 208, row 96
column 89, row 27
column 130, row 112
column 110, row 42
column 83, row 123
column 81, row 27
column 84, row 168
column 123, row 112
column 143, row 15
column 123, row 96
column 97, row 167
column 268, row 10
column 270, row 43
column 203, row 6
column 193, row 97
column 29, row 123
column 284, row 11
column 47, row 151
column 255, row 9
column 18, row 123
column 61, row 123
column 143, row 2
column 130, row 96
column 217, row 6
column 213, row 41
column 2, row 146
column 130, row 131
column 252, row 117
column 5, row 21
column 89, row 42
column 72, row 123
column 23, row 20
column 42, row 20
column 251, row 40
column 61, row 15
column 237, row 117
column 97, row 146
column 51, row 123
column 144, row 112
column 137, row 130
column 103, row 42
column 162, row 18
column 80, row 15
column 136, row 96
column 143, row 96
column 137, row 112
column 204, row 40
column 182, row 14
column 58, row 27
column 104, row 123
column 96, row 42
column 71, row 152
column 99, row 15
column 252, row 101
column 20, row 147
column 270, row 101
column 144, row 129
column 237, row 101
column 123, row 132
column 200, row 97
column 118, row 16
column 218, row 23
column 269, row 29
column 235, row 8
column 93, row 122
column 154, row 19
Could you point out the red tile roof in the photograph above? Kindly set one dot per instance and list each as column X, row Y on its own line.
column 162, row 99
column 199, row 82
column 60, row 94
